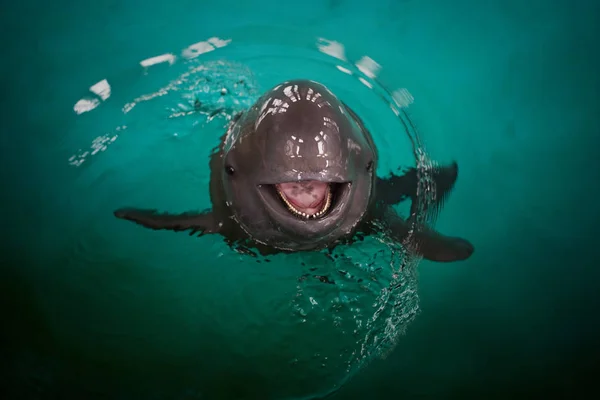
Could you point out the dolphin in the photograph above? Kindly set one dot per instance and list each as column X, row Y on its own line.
column 297, row 172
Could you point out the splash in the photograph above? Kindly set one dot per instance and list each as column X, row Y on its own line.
column 347, row 307
column 210, row 88
column 99, row 144
column 206, row 90
column 367, row 293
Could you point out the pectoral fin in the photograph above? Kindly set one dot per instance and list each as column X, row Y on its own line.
column 430, row 244
column 394, row 189
column 201, row 223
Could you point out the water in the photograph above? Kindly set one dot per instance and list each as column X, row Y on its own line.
column 283, row 320
column 509, row 89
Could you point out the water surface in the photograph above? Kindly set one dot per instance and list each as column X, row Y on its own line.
column 509, row 89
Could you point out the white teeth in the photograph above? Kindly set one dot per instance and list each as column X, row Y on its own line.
column 303, row 214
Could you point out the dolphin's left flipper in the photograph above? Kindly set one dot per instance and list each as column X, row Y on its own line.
column 201, row 223
column 394, row 189
column 430, row 244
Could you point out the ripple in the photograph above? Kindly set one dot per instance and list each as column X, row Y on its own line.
column 300, row 321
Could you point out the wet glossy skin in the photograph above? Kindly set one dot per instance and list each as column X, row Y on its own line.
column 298, row 131
column 296, row 142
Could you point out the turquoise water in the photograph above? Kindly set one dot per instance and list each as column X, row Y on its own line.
column 97, row 308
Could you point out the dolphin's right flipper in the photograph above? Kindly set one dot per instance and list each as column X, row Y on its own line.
column 201, row 223
column 394, row 189
column 430, row 244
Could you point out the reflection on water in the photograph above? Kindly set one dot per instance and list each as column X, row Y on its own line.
column 332, row 48
column 85, row 105
column 99, row 144
column 163, row 58
column 402, row 98
column 211, row 44
column 342, row 308
column 226, row 98
column 368, row 66
column 100, row 89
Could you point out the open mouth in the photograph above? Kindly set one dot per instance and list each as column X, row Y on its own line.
column 308, row 199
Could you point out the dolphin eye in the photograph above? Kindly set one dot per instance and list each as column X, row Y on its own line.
column 229, row 169
column 370, row 166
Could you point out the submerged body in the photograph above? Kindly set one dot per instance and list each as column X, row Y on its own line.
column 296, row 172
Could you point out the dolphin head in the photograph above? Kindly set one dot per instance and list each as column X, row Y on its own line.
column 298, row 169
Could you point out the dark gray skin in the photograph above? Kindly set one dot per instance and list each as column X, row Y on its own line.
column 298, row 132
